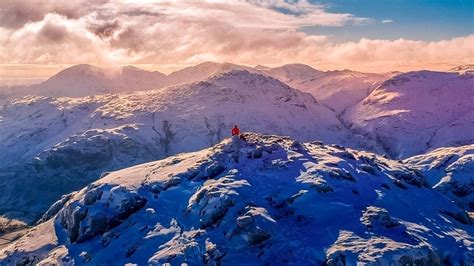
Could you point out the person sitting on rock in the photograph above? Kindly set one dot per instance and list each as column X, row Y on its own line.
column 235, row 131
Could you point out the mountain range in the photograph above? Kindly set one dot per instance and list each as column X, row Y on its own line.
column 50, row 146
column 411, row 132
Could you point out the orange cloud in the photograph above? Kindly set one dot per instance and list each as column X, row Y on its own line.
column 179, row 33
column 402, row 54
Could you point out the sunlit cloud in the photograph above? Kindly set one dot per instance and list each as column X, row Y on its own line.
column 161, row 34
column 385, row 21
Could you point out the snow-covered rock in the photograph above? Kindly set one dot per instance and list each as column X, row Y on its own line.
column 450, row 171
column 266, row 210
column 52, row 146
column 417, row 112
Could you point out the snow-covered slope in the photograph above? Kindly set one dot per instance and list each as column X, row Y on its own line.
column 418, row 111
column 267, row 200
column 51, row 146
column 339, row 89
column 450, row 171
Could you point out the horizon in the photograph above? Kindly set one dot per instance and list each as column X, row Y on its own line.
column 11, row 82
column 366, row 36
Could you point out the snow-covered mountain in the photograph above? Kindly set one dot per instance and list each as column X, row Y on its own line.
column 84, row 80
column 292, row 73
column 336, row 89
column 51, row 146
column 203, row 71
column 463, row 69
column 450, row 171
column 417, row 112
column 266, row 200
column 339, row 89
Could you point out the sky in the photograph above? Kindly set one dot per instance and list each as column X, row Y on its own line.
column 40, row 37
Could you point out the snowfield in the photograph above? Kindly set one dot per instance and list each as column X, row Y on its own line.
column 266, row 200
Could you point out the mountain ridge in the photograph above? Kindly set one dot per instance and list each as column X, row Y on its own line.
column 248, row 201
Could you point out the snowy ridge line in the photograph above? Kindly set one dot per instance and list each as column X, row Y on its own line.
column 265, row 199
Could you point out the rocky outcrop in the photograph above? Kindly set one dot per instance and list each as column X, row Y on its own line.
column 101, row 209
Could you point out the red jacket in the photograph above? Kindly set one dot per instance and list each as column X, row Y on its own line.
column 235, row 131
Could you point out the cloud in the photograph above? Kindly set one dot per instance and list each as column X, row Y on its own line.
column 180, row 33
column 15, row 14
column 402, row 54
column 387, row 21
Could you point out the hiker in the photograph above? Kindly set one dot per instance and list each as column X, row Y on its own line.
column 235, row 131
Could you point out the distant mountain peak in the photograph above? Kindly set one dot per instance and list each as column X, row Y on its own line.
column 297, row 67
column 463, row 69
column 262, row 67
column 85, row 79
column 80, row 68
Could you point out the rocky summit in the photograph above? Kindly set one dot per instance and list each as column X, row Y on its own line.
column 263, row 199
